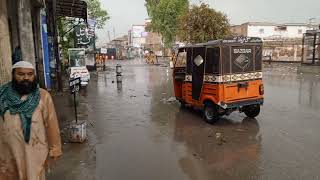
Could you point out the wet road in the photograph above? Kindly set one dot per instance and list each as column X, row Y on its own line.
column 143, row 134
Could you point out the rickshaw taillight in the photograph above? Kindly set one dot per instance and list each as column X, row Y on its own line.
column 261, row 89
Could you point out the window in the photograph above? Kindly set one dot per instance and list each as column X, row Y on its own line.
column 189, row 60
column 261, row 31
column 181, row 59
column 280, row 28
column 299, row 31
column 198, row 60
column 212, row 60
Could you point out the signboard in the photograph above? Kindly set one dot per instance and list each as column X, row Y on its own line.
column 243, row 40
column 77, row 57
column 138, row 31
column 74, row 84
column 242, row 58
column 103, row 50
column 77, row 62
column 85, row 35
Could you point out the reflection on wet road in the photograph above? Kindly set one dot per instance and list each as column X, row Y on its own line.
column 144, row 134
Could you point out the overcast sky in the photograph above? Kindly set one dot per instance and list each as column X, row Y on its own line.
column 124, row 13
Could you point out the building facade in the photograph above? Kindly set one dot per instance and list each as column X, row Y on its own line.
column 271, row 30
column 19, row 31
column 29, row 28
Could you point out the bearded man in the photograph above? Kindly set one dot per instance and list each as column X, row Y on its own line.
column 29, row 130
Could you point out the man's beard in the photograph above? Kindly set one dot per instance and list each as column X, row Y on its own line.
column 24, row 87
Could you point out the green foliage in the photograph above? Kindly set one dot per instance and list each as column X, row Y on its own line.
column 151, row 6
column 95, row 12
column 202, row 24
column 66, row 24
column 164, row 16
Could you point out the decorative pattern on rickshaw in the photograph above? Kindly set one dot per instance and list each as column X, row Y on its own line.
column 233, row 77
column 226, row 78
column 188, row 78
column 210, row 78
column 242, row 62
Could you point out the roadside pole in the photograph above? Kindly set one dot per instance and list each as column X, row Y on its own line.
column 77, row 129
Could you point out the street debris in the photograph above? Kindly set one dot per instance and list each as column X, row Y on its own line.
column 169, row 100
column 77, row 132
column 220, row 138
column 240, row 130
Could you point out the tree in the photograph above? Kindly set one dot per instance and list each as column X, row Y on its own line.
column 66, row 24
column 202, row 24
column 151, row 6
column 95, row 12
column 164, row 16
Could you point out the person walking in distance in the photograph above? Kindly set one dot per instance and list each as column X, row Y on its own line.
column 29, row 130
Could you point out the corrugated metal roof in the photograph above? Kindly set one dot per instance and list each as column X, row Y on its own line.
column 72, row 8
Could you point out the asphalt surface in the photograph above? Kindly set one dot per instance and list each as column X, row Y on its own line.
column 142, row 133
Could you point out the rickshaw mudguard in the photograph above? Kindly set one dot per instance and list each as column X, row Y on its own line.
column 208, row 98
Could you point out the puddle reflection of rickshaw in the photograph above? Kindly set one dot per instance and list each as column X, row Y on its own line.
column 206, row 158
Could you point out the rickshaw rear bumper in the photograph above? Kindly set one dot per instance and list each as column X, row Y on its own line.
column 241, row 104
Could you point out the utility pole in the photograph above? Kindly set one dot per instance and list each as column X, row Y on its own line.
column 94, row 48
column 312, row 22
column 109, row 36
column 56, row 46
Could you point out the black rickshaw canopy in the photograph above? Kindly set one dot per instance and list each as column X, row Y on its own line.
column 226, row 56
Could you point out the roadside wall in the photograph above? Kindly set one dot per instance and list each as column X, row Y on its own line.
column 283, row 50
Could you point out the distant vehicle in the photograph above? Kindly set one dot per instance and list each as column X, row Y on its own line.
column 77, row 65
column 112, row 53
column 221, row 76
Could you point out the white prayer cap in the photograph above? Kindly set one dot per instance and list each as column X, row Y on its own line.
column 23, row 64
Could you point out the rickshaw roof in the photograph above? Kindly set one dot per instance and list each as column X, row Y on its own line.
column 227, row 41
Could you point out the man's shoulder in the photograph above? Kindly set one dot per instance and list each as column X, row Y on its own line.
column 44, row 93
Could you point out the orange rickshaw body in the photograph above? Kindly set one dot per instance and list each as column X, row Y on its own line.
column 226, row 73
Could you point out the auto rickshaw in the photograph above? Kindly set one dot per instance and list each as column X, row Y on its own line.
column 221, row 76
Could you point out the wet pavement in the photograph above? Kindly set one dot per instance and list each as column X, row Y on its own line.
column 78, row 161
column 142, row 133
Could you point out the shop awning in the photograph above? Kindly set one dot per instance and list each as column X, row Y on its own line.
column 72, row 8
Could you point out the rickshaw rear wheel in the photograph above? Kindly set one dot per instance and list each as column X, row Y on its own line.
column 252, row 111
column 182, row 104
column 210, row 113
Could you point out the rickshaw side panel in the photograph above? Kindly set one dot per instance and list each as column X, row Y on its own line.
column 209, row 92
column 178, row 90
column 233, row 93
column 187, row 94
